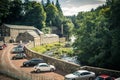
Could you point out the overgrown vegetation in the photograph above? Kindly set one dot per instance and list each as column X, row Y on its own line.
column 58, row 49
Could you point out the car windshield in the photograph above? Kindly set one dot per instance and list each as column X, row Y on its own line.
column 76, row 73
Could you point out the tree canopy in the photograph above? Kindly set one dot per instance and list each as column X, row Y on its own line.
column 36, row 16
column 97, row 34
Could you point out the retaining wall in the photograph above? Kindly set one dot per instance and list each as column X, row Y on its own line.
column 67, row 67
column 99, row 71
column 59, row 64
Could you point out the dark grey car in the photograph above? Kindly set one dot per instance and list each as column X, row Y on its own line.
column 19, row 56
column 33, row 62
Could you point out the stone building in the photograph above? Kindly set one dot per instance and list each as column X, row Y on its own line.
column 49, row 38
column 19, row 33
column 29, row 36
column 10, row 32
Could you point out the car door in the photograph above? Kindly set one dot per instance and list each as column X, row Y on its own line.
column 35, row 62
column 44, row 67
column 81, row 77
column 85, row 76
column 31, row 63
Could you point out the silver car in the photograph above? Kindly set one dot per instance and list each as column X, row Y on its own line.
column 1, row 47
column 80, row 75
column 44, row 67
column 117, row 78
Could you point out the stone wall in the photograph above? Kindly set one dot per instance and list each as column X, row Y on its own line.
column 66, row 67
column 99, row 71
column 49, row 39
column 62, row 39
column 5, row 39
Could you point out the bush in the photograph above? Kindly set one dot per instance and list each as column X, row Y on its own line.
column 40, row 49
column 59, row 49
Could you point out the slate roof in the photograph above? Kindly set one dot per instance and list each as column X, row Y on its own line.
column 33, row 33
column 20, row 26
column 39, row 32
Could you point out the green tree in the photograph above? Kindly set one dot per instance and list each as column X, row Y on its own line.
column 115, row 31
column 52, row 12
column 48, row 2
column 60, row 18
column 36, row 16
column 15, row 12
column 68, row 28
column 93, row 38
column 4, row 9
column 58, row 6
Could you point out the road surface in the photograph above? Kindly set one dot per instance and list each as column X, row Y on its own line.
column 16, row 65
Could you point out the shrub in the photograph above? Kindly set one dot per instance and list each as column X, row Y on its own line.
column 40, row 49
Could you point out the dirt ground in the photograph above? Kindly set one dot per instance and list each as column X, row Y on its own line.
column 15, row 65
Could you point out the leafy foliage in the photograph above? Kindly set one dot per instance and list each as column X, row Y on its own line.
column 39, row 49
column 4, row 9
column 98, row 37
column 38, row 16
column 52, row 12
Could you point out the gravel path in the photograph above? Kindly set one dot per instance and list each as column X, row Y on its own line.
column 16, row 65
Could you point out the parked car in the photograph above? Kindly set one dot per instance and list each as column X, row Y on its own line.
column 33, row 62
column 1, row 47
column 20, row 46
column 44, row 67
column 104, row 77
column 4, row 45
column 80, row 75
column 17, row 50
column 117, row 78
column 19, row 56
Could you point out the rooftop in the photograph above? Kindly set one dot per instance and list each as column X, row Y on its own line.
column 51, row 35
column 33, row 33
column 19, row 26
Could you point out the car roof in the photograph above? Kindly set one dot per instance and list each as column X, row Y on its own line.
column 36, row 59
column 42, row 64
column 104, row 76
column 81, row 71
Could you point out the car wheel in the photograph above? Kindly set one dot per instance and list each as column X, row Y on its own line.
column 14, row 58
column 51, row 69
column 91, row 78
column 38, row 70
column 73, row 79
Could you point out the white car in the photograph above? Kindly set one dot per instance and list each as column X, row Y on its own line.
column 44, row 67
column 117, row 78
column 80, row 75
